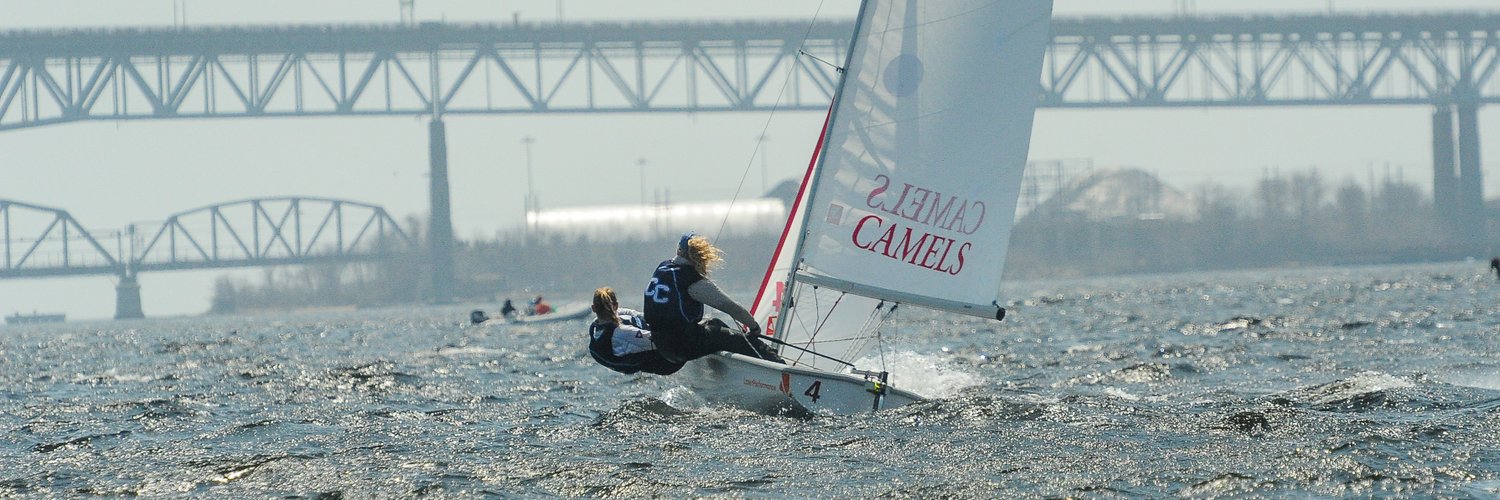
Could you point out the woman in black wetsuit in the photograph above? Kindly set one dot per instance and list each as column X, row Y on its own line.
column 618, row 341
column 674, row 308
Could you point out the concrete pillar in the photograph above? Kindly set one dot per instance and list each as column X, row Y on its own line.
column 1444, row 166
column 128, row 299
column 1470, row 184
column 440, row 226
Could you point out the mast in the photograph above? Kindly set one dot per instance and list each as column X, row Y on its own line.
column 833, row 115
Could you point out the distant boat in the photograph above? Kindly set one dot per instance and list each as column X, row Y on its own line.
column 562, row 313
column 909, row 200
column 34, row 317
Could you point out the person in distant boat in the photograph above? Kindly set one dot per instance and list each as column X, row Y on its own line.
column 1495, row 266
column 540, row 306
column 508, row 311
column 619, row 341
column 478, row 316
column 674, row 308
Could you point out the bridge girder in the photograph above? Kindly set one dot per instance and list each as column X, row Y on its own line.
column 246, row 233
column 42, row 241
column 61, row 76
column 270, row 231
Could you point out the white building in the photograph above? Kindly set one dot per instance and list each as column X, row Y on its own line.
column 742, row 218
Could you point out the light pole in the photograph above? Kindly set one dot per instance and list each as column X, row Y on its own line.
column 642, row 164
column 528, row 140
column 764, row 183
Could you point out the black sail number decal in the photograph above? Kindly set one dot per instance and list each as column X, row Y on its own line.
column 813, row 390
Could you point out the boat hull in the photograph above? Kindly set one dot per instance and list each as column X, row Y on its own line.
column 774, row 388
column 28, row 319
column 577, row 311
column 567, row 313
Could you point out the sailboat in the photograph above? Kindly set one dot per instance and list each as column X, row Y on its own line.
column 908, row 201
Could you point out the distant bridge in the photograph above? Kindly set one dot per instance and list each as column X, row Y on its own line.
column 49, row 77
column 1446, row 61
column 37, row 241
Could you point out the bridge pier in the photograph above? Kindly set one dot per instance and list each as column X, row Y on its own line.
column 440, row 224
column 128, row 298
column 1444, row 168
column 1470, row 192
column 1457, row 183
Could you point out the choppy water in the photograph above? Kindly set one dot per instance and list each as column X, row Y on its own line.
column 1337, row 382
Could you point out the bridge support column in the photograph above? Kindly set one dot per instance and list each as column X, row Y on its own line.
column 1444, row 169
column 128, row 298
column 440, row 225
column 1470, row 185
column 1457, row 185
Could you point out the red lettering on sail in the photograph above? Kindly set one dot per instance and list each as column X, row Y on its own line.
column 929, row 241
column 926, row 206
column 902, row 243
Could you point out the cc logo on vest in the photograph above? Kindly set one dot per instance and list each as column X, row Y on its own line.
column 658, row 291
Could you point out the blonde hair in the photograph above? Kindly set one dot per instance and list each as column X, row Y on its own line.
column 703, row 254
column 605, row 305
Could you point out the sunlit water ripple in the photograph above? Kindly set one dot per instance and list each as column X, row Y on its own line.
column 1341, row 382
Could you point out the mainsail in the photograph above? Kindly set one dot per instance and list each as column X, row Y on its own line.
column 913, row 190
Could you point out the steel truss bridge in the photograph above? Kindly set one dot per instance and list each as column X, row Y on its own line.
column 60, row 76
column 1445, row 61
column 37, row 241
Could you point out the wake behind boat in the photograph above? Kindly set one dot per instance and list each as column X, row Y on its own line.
column 909, row 200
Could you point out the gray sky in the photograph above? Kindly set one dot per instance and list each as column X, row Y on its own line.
column 112, row 174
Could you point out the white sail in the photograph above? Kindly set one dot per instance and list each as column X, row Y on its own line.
column 839, row 314
column 916, row 176
column 916, row 188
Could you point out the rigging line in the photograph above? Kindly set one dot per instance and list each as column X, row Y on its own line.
column 879, row 341
column 812, row 352
column 835, row 67
column 818, row 317
column 866, row 327
column 761, row 139
column 814, row 336
column 843, row 339
column 800, row 320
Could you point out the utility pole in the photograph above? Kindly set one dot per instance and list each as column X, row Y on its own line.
column 530, row 202
column 764, row 183
column 642, row 164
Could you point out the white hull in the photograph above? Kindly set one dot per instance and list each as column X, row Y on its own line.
column 572, row 312
column 767, row 387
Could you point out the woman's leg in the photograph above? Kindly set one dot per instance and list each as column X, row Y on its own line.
column 722, row 337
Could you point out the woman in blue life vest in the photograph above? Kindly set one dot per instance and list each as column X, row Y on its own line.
column 618, row 341
column 674, row 308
